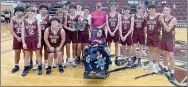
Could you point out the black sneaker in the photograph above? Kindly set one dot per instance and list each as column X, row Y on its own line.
column 129, row 64
column 61, row 69
column 133, row 60
column 25, row 71
column 172, row 78
column 165, row 70
column 39, row 70
column 48, row 71
column 15, row 69
column 77, row 61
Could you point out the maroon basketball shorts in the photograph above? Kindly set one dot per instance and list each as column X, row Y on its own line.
column 167, row 44
column 31, row 43
column 83, row 37
column 55, row 47
column 153, row 41
column 138, row 36
column 115, row 38
column 71, row 37
column 16, row 44
column 128, row 40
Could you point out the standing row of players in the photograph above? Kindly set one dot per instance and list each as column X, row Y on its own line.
column 53, row 33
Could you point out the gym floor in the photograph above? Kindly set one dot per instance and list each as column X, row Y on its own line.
column 74, row 76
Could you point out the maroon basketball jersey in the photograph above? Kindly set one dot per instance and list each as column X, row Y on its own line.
column 164, row 33
column 71, row 21
column 17, row 27
column 54, row 39
column 113, row 21
column 31, row 30
column 153, row 26
column 139, row 23
column 86, row 25
column 126, row 23
column 45, row 23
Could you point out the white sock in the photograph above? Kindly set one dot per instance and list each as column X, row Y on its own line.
column 151, row 62
column 157, row 64
column 166, row 67
column 172, row 71
column 46, row 61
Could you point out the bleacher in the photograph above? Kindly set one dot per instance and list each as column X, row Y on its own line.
column 180, row 12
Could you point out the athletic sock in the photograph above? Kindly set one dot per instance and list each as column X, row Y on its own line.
column 172, row 71
column 151, row 62
column 17, row 65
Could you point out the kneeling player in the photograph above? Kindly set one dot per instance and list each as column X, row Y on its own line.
column 54, row 37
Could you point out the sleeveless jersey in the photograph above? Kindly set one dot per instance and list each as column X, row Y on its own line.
column 17, row 27
column 126, row 23
column 54, row 39
column 31, row 30
column 113, row 21
column 168, row 34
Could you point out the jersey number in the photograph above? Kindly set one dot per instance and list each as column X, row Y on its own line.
column 19, row 30
column 151, row 27
column 53, row 40
column 31, row 32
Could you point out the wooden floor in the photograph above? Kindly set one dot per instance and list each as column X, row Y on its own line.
column 71, row 76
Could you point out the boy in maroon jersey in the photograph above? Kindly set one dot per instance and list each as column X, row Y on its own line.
column 15, row 30
column 71, row 34
column 31, row 38
column 153, row 35
column 43, row 18
column 55, row 39
column 138, row 34
column 86, row 19
column 167, row 43
column 112, row 22
column 126, row 29
column 60, row 14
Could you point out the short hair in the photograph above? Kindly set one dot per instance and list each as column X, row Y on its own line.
column 140, row 7
column 19, row 8
column 167, row 7
column 54, row 19
column 126, row 8
column 152, row 6
column 112, row 3
column 43, row 6
column 72, row 6
column 31, row 9
column 59, row 11
column 86, row 7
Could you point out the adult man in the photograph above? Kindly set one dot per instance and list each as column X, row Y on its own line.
column 98, row 19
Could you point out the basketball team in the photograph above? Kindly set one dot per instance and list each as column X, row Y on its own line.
column 41, row 32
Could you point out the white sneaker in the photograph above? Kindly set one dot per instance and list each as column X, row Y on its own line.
column 55, row 64
column 36, row 67
column 73, row 63
column 156, row 68
column 46, row 64
column 148, row 67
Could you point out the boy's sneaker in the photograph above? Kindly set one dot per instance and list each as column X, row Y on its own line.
column 48, row 71
column 148, row 67
column 172, row 78
column 15, row 69
column 39, row 70
column 61, row 69
column 25, row 71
